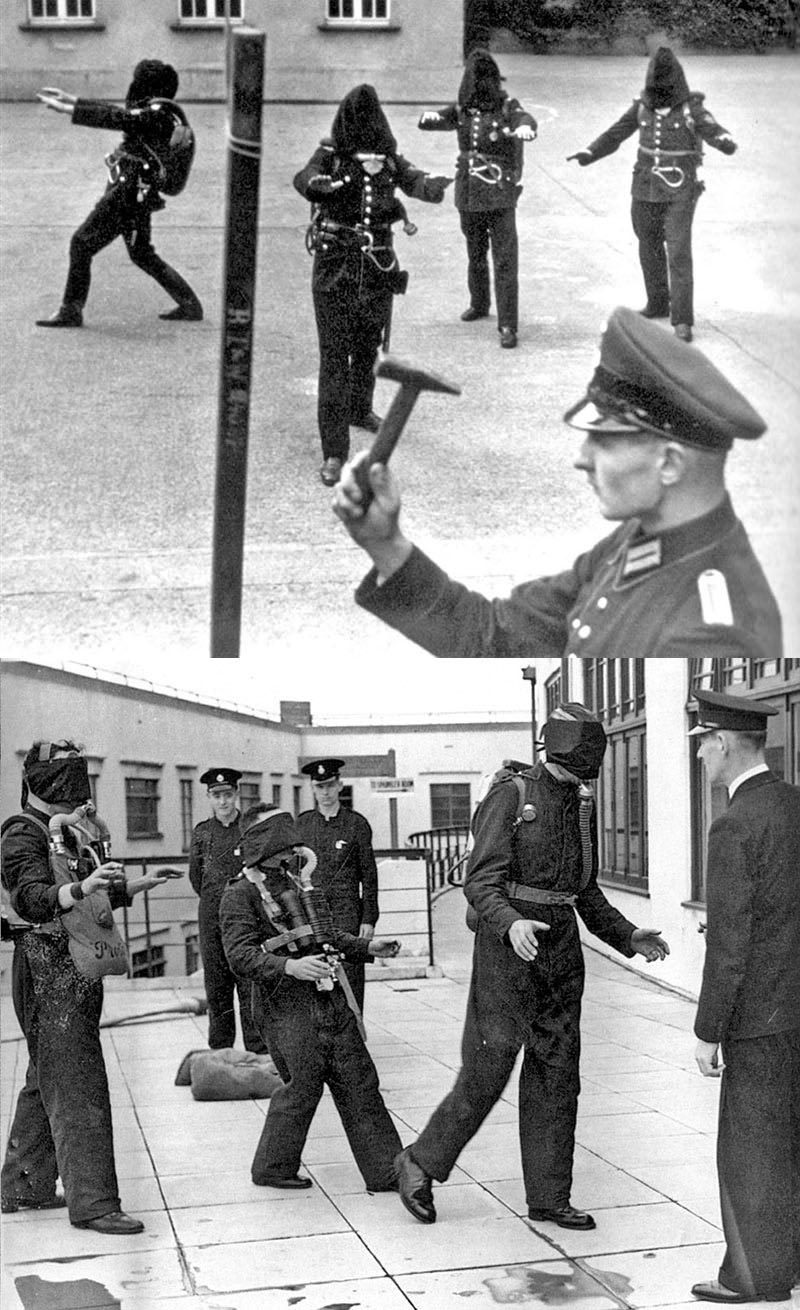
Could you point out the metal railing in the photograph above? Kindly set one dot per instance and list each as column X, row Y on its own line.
column 445, row 851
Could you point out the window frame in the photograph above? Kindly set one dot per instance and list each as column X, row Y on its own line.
column 154, row 795
column 61, row 18
column 455, row 793
column 358, row 21
column 614, row 689
column 211, row 19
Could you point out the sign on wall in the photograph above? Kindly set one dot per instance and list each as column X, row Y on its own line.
column 391, row 786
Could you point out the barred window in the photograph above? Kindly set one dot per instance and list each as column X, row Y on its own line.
column 141, row 807
column 450, row 804
column 358, row 11
column 191, row 948
column 614, row 691
column 210, row 11
column 149, row 963
column 249, row 794
column 187, row 812
column 276, row 793
column 60, row 11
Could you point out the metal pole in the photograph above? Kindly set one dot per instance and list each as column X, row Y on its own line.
column 529, row 675
column 394, row 840
column 241, row 234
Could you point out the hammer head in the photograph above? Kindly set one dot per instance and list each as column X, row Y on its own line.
column 410, row 375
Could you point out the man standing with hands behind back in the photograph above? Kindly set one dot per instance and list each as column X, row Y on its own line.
column 213, row 860
column 750, row 1002
column 342, row 842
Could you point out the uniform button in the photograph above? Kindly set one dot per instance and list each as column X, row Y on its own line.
column 584, row 632
column 602, row 602
column 576, row 623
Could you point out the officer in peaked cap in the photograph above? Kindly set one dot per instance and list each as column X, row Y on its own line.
column 677, row 577
column 748, row 1015
column 342, row 841
column 213, row 861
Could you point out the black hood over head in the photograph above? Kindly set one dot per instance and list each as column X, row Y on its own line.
column 665, row 84
column 481, row 85
column 360, row 125
column 575, row 739
column 151, row 79
column 56, row 781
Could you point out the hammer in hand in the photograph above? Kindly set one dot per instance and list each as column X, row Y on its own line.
column 412, row 380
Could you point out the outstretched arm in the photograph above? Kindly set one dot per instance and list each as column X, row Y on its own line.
column 61, row 101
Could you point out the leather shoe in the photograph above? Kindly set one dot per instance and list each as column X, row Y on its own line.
column 414, row 1186
column 331, row 471
column 683, row 332
column 565, row 1216
column 471, row 314
column 183, row 314
column 508, row 338
column 68, row 316
column 289, row 1184
column 370, row 422
column 115, row 1223
column 650, row 312
column 713, row 1290
column 10, row 1204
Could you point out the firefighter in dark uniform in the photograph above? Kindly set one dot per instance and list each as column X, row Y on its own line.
column 672, row 123
column 748, row 1014
column 305, row 1008
column 529, row 869
column 678, row 577
column 351, row 181
column 132, row 195
column 62, row 1123
column 213, row 860
column 491, row 128
column 341, row 839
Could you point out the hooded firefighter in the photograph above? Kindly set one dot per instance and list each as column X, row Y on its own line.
column 491, row 128
column 672, row 123
column 351, row 180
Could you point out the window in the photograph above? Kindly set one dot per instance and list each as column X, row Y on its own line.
column 149, row 963
column 615, row 692
column 776, row 681
column 353, row 12
column 276, row 793
column 210, row 11
column 346, row 797
column 249, row 794
column 191, row 947
column 451, row 805
column 187, row 812
column 297, row 799
column 60, row 11
column 141, row 807
column 553, row 692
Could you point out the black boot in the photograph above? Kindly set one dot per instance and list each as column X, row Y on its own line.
column 191, row 313
column 68, row 316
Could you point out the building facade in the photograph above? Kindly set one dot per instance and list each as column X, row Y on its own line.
column 315, row 49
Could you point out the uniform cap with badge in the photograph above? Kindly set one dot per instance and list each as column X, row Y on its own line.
column 220, row 779
column 648, row 381
column 718, row 712
column 323, row 770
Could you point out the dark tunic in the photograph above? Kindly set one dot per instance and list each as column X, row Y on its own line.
column 319, row 1043
column 696, row 589
column 750, row 1002
column 346, row 872
column 213, row 861
column 513, row 1003
column 128, row 203
column 62, row 1124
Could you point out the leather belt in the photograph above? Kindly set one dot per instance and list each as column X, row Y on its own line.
column 284, row 938
column 539, row 895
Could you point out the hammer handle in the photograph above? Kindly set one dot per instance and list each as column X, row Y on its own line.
column 387, row 437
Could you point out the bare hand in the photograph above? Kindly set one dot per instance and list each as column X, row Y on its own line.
column 522, row 935
column 61, row 101
column 325, row 184
column 309, row 968
column 107, row 875
column 647, row 942
column 367, row 930
column 708, row 1059
column 583, row 157
column 376, row 530
column 524, row 132
column 145, row 882
column 382, row 947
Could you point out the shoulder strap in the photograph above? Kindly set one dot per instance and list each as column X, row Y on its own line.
column 24, row 818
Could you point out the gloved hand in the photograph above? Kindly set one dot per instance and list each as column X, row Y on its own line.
column 583, row 157
column 727, row 145
column 435, row 187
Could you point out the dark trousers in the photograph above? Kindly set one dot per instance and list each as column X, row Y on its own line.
column 498, row 228
column 62, row 1123
column 356, row 977
column 664, row 232
column 513, row 1004
column 220, row 984
column 349, row 327
column 320, row 1043
column 758, row 1161
column 118, row 214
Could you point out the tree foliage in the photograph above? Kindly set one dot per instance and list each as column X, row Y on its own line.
column 732, row 24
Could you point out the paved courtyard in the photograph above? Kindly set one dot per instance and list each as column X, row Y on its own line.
column 644, row 1164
